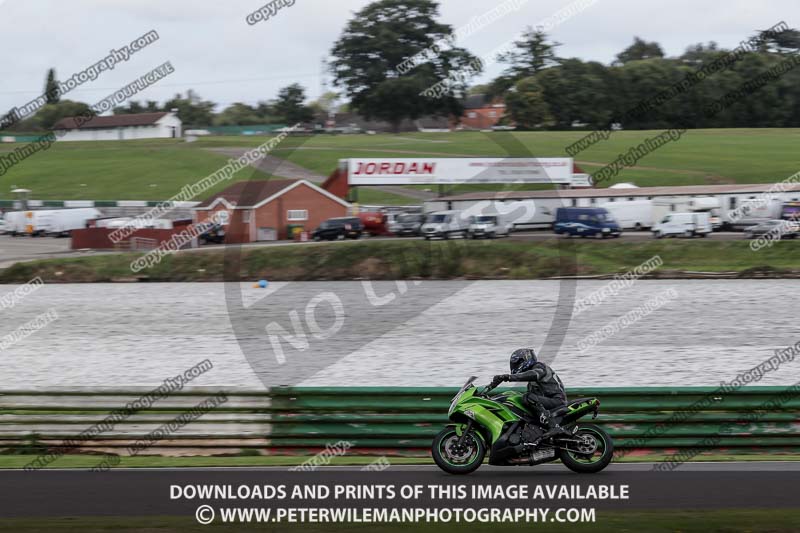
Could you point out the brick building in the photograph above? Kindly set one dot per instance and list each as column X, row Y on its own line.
column 480, row 114
column 264, row 210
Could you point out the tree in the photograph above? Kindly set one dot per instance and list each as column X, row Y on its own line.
column 49, row 114
column 326, row 103
column 785, row 42
column 238, row 114
column 132, row 107
column 526, row 104
column 482, row 88
column 698, row 54
column 578, row 92
column 290, row 105
column 640, row 49
column 530, row 55
column 384, row 35
column 51, row 91
column 192, row 110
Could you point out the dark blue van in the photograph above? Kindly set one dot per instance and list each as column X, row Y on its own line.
column 586, row 222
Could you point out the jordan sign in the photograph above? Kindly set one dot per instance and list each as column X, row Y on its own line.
column 452, row 170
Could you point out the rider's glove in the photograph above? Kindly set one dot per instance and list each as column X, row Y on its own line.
column 498, row 380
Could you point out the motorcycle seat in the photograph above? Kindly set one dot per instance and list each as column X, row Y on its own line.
column 563, row 409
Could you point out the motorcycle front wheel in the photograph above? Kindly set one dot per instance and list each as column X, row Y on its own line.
column 455, row 458
column 592, row 454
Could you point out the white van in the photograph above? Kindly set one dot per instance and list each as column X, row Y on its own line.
column 444, row 224
column 683, row 224
column 635, row 214
column 489, row 226
column 62, row 221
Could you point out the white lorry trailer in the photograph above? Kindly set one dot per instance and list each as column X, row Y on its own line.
column 49, row 221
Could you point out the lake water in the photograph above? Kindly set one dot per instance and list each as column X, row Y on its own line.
column 430, row 334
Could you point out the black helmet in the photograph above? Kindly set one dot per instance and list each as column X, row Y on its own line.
column 521, row 360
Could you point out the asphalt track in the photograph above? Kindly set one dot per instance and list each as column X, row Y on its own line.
column 146, row 492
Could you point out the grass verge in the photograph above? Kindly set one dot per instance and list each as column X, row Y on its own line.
column 399, row 259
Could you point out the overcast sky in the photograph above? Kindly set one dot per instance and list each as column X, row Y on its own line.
column 215, row 52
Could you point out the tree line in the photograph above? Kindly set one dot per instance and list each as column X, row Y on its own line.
column 541, row 89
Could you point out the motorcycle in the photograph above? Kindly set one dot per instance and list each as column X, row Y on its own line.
column 503, row 425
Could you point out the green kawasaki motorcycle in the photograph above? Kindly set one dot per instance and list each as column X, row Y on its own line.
column 503, row 424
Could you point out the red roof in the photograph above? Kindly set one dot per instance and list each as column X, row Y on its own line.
column 249, row 193
column 113, row 121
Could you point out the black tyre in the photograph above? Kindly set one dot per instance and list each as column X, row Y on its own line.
column 454, row 458
column 593, row 454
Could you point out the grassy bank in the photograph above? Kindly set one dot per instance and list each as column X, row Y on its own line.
column 383, row 260
column 155, row 169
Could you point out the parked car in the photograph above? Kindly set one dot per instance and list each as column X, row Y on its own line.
column 488, row 226
column 374, row 223
column 215, row 235
column 783, row 229
column 683, row 225
column 444, row 224
column 2, row 226
column 407, row 224
column 334, row 228
column 585, row 222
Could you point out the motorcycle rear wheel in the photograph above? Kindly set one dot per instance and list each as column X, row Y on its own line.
column 455, row 459
column 596, row 440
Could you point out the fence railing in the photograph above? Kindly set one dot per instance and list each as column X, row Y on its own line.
column 293, row 419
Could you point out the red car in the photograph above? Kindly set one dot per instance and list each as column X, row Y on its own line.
column 374, row 223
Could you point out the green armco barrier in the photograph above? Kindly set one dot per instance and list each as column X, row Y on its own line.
column 396, row 418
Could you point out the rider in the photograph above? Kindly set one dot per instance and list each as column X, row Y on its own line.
column 545, row 390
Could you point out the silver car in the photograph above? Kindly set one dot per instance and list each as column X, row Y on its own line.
column 783, row 229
